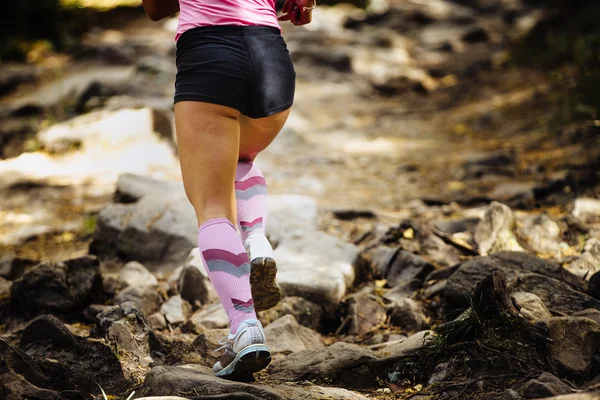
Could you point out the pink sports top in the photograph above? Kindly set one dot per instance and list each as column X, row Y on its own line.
column 193, row 13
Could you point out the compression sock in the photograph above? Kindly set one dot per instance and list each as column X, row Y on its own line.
column 251, row 200
column 228, row 269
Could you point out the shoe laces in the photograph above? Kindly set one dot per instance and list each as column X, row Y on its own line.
column 224, row 342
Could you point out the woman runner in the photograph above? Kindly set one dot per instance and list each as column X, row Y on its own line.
column 233, row 92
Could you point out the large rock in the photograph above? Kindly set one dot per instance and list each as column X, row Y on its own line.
column 131, row 188
column 366, row 312
column 156, row 229
column 195, row 287
column 135, row 274
column 287, row 336
column 195, row 380
column 306, row 313
column 542, row 234
column 213, row 317
column 408, row 314
column 58, row 287
column 147, row 298
column 125, row 328
column 118, row 142
column 72, row 362
column 12, row 268
column 531, row 306
column 340, row 363
column 21, row 377
column 587, row 209
column 589, row 262
column 317, row 267
column 494, row 232
column 577, row 396
column 176, row 310
column 560, row 298
column 404, row 267
column 545, row 385
column 575, row 344
column 526, row 273
column 290, row 216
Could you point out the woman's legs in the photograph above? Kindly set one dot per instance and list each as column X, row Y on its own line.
column 208, row 141
column 251, row 196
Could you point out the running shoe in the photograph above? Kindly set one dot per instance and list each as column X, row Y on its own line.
column 263, row 277
column 244, row 353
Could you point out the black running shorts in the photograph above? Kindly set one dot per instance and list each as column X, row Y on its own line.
column 243, row 67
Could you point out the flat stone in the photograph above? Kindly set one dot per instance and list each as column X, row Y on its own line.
column 494, row 232
column 135, row 274
column 157, row 321
column 589, row 262
column 412, row 344
column 590, row 313
column 290, row 216
column 542, row 234
column 175, row 310
column 287, row 336
column 544, row 386
column 194, row 380
column 576, row 341
column 146, row 298
column 587, row 209
column 213, row 317
column 317, row 267
column 340, row 363
column 531, row 306
column 132, row 187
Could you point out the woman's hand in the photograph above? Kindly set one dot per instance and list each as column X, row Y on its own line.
column 159, row 9
column 299, row 12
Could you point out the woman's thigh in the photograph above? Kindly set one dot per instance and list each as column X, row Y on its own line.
column 257, row 133
column 208, row 139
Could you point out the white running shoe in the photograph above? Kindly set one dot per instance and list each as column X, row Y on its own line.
column 245, row 352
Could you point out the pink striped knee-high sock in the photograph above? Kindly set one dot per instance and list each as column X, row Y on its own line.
column 228, row 269
column 251, row 199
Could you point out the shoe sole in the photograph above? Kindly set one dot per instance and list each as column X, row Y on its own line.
column 263, row 280
column 249, row 360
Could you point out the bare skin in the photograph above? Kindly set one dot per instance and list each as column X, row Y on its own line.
column 211, row 140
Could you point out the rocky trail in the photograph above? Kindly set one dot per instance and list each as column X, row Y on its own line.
column 434, row 239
